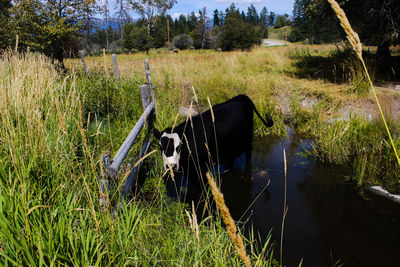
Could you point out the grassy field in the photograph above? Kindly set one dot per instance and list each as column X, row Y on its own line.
column 55, row 126
column 317, row 89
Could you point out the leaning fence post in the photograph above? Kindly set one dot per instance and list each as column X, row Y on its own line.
column 84, row 63
column 116, row 73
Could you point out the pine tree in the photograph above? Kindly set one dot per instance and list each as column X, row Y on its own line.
column 216, row 20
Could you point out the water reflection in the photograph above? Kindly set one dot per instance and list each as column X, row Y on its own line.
column 327, row 220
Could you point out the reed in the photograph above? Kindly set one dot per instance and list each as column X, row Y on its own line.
column 228, row 220
column 355, row 42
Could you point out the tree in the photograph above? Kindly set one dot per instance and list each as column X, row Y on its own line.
column 236, row 33
column 5, row 35
column 202, row 32
column 136, row 37
column 105, row 10
column 271, row 18
column 264, row 16
column 150, row 9
column 252, row 15
column 281, row 21
column 216, row 19
column 377, row 23
column 315, row 21
column 46, row 27
column 86, row 9
column 122, row 8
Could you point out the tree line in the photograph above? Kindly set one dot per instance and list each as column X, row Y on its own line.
column 228, row 30
column 59, row 28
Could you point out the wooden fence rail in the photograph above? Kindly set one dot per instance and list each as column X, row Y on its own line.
column 126, row 146
column 111, row 167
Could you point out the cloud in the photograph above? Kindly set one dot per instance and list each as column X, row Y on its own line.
column 239, row 1
column 176, row 15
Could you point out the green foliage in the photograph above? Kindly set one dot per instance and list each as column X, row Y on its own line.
column 6, row 37
column 237, row 34
column 136, row 37
column 44, row 28
column 103, row 95
column 375, row 21
column 314, row 22
column 183, row 41
column 281, row 21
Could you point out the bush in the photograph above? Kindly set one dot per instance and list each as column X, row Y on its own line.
column 183, row 41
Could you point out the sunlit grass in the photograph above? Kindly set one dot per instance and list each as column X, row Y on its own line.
column 53, row 128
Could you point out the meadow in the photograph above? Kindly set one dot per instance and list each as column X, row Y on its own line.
column 55, row 126
column 319, row 90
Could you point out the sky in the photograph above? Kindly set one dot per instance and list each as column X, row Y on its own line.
column 187, row 6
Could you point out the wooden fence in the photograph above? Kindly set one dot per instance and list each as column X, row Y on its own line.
column 111, row 166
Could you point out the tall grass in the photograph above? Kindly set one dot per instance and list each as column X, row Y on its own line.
column 51, row 133
column 355, row 42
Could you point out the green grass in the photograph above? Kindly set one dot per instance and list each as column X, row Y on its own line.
column 53, row 130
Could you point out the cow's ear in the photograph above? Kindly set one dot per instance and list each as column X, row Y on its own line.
column 156, row 133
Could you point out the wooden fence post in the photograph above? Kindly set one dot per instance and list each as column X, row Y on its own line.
column 84, row 63
column 148, row 71
column 116, row 73
column 104, row 61
column 144, row 90
column 148, row 77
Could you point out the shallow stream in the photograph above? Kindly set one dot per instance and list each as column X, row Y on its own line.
column 328, row 221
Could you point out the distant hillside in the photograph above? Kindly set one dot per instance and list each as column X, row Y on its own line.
column 100, row 24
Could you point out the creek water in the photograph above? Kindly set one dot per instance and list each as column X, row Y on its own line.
column 328, row 222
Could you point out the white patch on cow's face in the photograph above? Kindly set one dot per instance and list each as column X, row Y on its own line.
column 169, row 148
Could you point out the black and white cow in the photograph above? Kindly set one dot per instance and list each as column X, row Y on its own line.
column 217, row 136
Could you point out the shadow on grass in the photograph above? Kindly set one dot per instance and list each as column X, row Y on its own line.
column 341, row 66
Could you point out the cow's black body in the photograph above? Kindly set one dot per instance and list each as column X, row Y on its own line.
column 215, row 137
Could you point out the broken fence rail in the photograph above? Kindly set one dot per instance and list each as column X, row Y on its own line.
column 111, row 167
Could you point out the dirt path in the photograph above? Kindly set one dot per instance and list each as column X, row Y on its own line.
column 269, row 42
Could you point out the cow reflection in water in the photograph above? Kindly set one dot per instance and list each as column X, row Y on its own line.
column 212, row 141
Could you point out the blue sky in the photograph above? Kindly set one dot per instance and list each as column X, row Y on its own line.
column 187, row 6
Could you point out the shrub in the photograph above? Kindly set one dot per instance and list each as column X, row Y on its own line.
column 183, row 41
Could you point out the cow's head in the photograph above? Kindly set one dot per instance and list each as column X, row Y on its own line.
column 170, row 145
